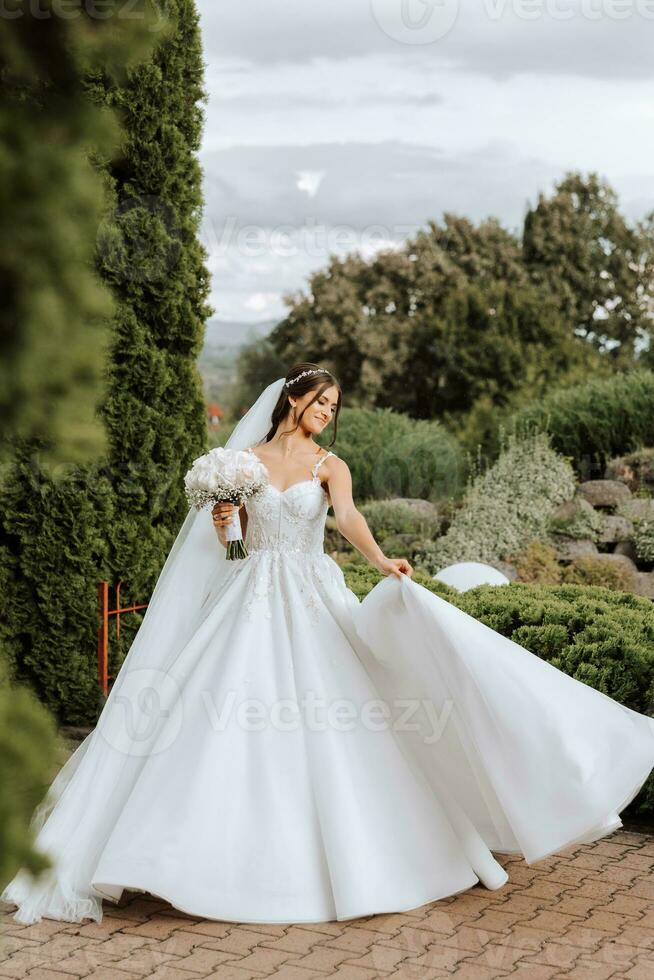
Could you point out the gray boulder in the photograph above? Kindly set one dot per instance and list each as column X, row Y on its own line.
column 638, row 509
column 614, row 528
column 644, row 584
column 567, row 549
column 627, row 548
column 624, row 560
column 604, row 493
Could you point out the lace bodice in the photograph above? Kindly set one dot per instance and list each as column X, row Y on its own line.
column 291, row 520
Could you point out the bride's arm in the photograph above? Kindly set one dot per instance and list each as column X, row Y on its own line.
column 352, row 524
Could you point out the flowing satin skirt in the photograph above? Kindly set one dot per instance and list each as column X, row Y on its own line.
column 306, row 757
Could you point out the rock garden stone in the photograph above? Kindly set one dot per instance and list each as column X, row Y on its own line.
column 627, row 548
column 614, row 528
column 604, row 493
column 644, row 584
column 638, row 509
column 567, row 549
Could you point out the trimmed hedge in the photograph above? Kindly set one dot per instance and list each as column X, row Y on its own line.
column 603, row 638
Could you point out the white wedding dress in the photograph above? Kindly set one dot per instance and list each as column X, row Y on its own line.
column 424, row 741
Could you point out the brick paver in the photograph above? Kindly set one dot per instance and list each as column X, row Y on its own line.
column 587, row 912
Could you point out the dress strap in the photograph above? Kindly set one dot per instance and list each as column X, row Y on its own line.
column 314, row 471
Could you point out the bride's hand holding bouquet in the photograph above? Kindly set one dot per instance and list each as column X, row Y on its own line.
column 222, row 515
column 225, row 479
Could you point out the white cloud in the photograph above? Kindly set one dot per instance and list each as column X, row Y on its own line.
column 261, row 303
column 309, row 181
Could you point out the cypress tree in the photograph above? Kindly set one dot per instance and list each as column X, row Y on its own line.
column 150, row 255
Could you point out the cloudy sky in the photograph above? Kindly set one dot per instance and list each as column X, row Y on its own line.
column 348, row 124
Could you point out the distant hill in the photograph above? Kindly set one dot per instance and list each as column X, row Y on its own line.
column 223, row 340
column 234, row 333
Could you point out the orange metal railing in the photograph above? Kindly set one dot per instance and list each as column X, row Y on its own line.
column 103, row 630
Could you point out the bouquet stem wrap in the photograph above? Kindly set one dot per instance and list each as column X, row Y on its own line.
column 235, row 547
column 226, row 476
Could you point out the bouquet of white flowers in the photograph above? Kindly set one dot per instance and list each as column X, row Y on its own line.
column 226, row 476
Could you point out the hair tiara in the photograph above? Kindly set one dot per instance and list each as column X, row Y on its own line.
column 304, row 374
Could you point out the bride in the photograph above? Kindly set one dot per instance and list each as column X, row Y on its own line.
column 273, row 750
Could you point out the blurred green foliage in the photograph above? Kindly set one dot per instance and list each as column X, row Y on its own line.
column 66, row 525
column 54, row 307
column 52, row 330
column 386, row 517
column 28, row 738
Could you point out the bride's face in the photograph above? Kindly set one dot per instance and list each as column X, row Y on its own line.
column 319, row 414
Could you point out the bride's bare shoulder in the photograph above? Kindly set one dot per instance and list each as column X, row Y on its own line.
column 334, row 465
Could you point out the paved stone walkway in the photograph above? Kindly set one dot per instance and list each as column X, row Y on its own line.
column 587, row 912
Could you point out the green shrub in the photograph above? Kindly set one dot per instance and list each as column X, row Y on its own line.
column 392, row 455
column 506, row 507
column 537, row 563
column 53, row 552
column 149, row 251
column 643, row 539
column 387, row 517
column 602, row 637
column 595, row 570
column 403, row 546
column 27, row 754
column 593, row 422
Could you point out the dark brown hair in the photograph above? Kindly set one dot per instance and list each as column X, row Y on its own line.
column 311, row 382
